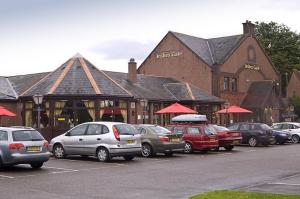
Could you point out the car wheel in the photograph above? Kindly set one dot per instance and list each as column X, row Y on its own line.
column 188, row 148
column 128, row 157
column 37, row 165
column 228, row 148
column 147, row 150
column 252, row 141
column 169, row 153
column 295, row 139
column 1, row 165
column 59, row 151
column 103, row 155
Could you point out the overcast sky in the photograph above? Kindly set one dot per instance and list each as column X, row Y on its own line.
column 40, row 35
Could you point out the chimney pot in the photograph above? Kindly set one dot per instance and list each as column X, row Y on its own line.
column 132, row 74
column 248, row 27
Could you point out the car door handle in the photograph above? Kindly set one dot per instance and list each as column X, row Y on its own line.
column 98, row 138
column 80, row 139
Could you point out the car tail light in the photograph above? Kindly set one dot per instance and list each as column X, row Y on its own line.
column 15, row 146
column 116, row 133
column 164, row 138
column 46, row 144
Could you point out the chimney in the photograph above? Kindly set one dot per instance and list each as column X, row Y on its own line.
column 248, row 28
column 132, row 74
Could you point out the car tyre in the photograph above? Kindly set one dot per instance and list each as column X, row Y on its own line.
column 1, row 165
column 188, row 148
column 252, row 142
column 59, row 151
column 37, row 165
column 128, row 157
column 103, row 155
column 295, row 139
column 147, row 150
column 229, row 148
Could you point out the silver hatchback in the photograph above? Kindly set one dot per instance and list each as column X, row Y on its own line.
column 21, row 145
column 101, row 139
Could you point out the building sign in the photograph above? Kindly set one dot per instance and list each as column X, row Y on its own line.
column 167, row 54
column 252, row 67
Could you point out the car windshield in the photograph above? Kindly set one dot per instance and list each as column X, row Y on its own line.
column 265, row 127
column 159, row 129
column 27, row 135
column 208, row 130
column 126, row 129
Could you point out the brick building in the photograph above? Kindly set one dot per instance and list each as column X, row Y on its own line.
column 226, row 67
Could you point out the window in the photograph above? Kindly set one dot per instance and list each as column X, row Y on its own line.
column 141, row 130
column 209, row 131
column 159, row 129
column 295, row 127
column 233, row 84
column 178, row 130
column 94, row 129
column 79, row 130
column 3, row 136
column 27, row 135
column 244, row 127
column 234, row 127
column 126, row 129
column 277, row 126
column 193, row 130
column 226, row 83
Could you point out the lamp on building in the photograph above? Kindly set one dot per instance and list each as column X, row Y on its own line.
column 38, row 99
column 144, row 104
column 226, row 106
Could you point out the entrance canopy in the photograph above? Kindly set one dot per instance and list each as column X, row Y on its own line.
column 234, row 109
column 5, row 112
column 176, row 108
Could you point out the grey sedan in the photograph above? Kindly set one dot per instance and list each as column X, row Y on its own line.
column 22, row 146
column 157, row 139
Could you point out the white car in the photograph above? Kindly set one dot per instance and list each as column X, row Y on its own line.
column 292, row 127
column 101, row 139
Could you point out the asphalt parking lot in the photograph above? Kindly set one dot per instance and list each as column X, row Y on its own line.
column 266, row 169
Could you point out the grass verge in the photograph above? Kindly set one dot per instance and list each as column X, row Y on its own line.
column 242, row 195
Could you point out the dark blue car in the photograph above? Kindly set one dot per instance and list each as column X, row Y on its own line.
column 281, row 137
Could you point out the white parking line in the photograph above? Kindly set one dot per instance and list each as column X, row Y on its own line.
column 4, row 176
column 279, row 183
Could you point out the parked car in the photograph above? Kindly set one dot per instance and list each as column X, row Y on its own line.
column 21, row 145
column 292, row 128
column 197, row 134
column 157, row 139
column 104, row 140
column 254, row 133
column 227, row 138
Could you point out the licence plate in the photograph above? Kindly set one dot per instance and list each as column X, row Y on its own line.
column 236, row 142
column 33, row 149
column 175, row 140
column 130, row 141
column 212, row 139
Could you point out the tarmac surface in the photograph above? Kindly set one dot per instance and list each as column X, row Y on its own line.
column 265, row 169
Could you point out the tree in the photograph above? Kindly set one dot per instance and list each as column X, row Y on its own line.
column 282, row 45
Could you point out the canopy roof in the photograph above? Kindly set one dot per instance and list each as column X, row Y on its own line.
column 234, row 109
column 5, row 112
column 176, row 108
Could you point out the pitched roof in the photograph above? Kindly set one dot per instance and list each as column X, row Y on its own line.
column 161, row 88
column 260, row 95
column 211, row 51
column 6, row 90
column 77, row 76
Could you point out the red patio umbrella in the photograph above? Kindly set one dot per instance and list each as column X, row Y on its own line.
column 5, row 112
column 176, row 108
column 234, row 109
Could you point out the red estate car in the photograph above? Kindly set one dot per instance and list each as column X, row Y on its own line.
column 227, row 138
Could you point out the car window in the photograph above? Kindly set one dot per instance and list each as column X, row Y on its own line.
column 296, row 127
column 193, row 130
column 209, row 130
column 78, row 130
column 178, row 129
column 277, row 126
column 104, row 129
column 126, row 129
column 159, row 129
column 94, row 129
column 234, row 127
column 3, row 136
column 140, row 130
column 26, row 135
column 244, row 127
column 285, row 126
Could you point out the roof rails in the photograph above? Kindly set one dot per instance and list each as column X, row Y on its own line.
column 21, row 127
